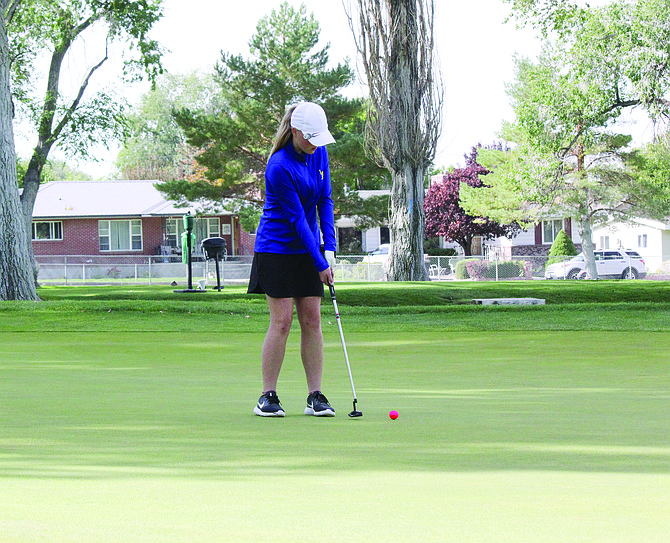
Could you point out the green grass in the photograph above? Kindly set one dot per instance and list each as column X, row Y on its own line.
column 571, row 305
column 126, row 416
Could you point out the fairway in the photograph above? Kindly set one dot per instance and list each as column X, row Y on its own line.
column 125, row 436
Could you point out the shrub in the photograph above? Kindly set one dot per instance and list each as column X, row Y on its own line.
column 480, row 270
column 442, row 252
column 461, row 271
column 477, row 269
column 562, row 247
column 507, row 269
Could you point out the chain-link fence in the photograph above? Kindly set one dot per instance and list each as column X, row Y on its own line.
column 477, row 268
column 78, row 270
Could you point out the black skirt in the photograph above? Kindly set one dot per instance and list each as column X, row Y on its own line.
column 284, row 276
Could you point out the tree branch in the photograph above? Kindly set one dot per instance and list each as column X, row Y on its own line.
column 75, row 103
column 11, row 11
column 254, row 156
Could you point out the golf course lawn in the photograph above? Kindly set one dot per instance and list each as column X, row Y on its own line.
column 129, row 435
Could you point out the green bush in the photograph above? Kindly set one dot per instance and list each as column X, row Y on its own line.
column 441, row 252
column 481, row 270
column 461, row 271
column 507, row 269
column 477, row 269
column 562, row 247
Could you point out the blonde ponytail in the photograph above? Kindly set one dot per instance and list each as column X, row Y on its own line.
column 284, row 131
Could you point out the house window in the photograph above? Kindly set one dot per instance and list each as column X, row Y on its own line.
column 43, row 231
column 550, row 230
column 172, row 234
column 642, row 241
column 384, row 234
column 604, row 242
column 211, row 227
column 349, row 241
column 120, row 235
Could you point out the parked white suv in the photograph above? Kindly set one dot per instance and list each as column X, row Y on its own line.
column 382, row 254
column 610, row 264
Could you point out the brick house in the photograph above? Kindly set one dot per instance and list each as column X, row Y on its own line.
column 537, row 240
column 121, row 218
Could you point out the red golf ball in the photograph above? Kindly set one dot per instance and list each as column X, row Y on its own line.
column 393, row 414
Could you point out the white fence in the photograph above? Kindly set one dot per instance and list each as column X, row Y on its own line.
column 99, row 270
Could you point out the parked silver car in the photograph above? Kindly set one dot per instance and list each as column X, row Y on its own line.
column 610, row 264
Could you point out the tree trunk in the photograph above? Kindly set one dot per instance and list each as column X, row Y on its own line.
column 586, row 233
column 45, row 140
column 407, row 226
column 585, row 227
column 17, row 281
column 407, row 218
column 397, row 47
column 31, row 185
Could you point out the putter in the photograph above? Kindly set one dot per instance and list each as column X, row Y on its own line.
column 355, row 412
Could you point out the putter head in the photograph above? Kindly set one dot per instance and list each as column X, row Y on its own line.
column 355, row 412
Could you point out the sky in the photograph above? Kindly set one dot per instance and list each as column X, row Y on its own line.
column 475, row 46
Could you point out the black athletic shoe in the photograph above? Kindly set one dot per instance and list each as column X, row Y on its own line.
column 317, row 405
column 269, row 406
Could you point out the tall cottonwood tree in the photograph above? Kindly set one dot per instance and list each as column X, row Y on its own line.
column 79, row 121
column 396, row 44
column 17, row 281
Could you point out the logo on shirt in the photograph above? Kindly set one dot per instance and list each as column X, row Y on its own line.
column 321, row 172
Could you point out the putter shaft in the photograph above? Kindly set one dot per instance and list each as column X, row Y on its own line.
column 344, row 346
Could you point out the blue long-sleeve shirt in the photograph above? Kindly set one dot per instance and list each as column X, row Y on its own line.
column 297, row 186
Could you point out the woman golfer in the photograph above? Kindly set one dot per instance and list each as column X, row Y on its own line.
column 288, row 266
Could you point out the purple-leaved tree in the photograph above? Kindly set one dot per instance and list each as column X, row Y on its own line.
column 445, row 216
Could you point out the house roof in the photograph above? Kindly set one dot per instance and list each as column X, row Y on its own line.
column 74, row 199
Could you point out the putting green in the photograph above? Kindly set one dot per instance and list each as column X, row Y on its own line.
column 391, row 506
column 505, row 436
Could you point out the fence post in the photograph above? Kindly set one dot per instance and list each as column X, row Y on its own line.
column 150, row 259
column 66, row 271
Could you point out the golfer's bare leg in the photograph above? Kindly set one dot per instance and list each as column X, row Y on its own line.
column 311, row 340
column 274, row 346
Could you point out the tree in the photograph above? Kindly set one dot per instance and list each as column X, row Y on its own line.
column 235, row 132
column 76, row 123
column 395, row 41
column 156, row 147
column 445, row 216
column 16, row 278
column 568, row 158
column 53, row 170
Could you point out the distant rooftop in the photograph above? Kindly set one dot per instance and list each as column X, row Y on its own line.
column 64, row 199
